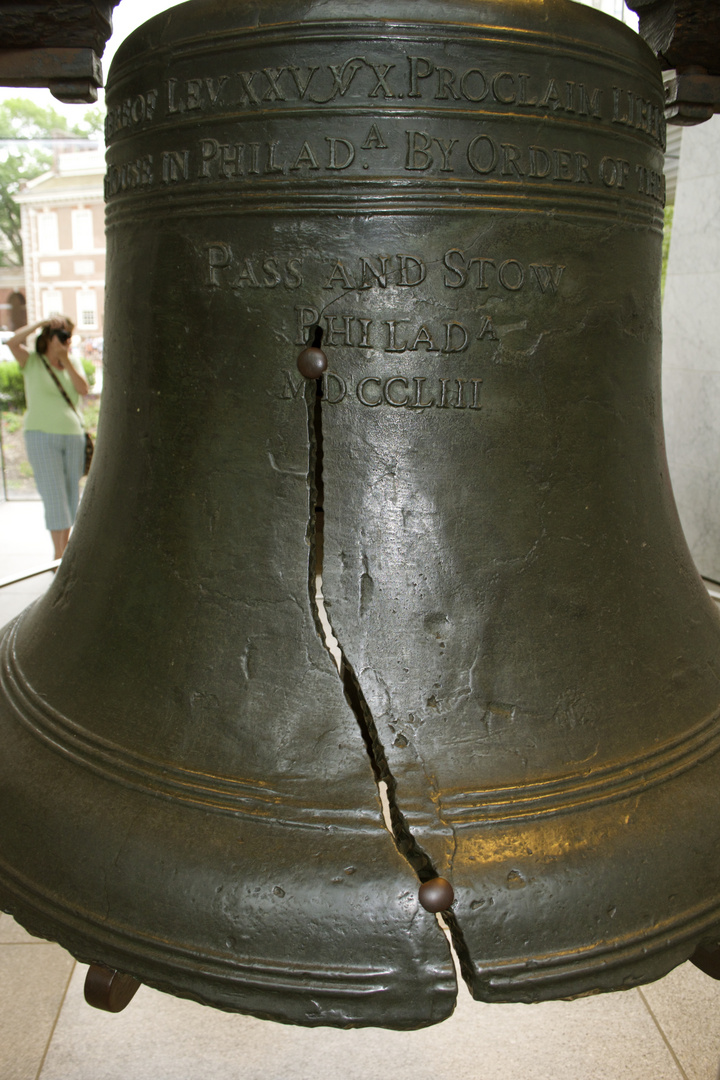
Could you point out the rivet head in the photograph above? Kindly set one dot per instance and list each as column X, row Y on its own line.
column 312, row 362
column 436, row 894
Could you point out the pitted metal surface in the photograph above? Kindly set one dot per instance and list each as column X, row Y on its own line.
column 463, row 209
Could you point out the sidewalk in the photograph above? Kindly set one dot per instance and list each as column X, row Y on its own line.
column 24, row 545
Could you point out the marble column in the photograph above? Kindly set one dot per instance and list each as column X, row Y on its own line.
column 691, row 349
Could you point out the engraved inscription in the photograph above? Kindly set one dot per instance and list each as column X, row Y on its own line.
column 418, row 78
column 419, row 392
column 413, row 78
column 228, row 161
column 228, row 267
column 194, row 94
column 175, row 166
column 405, row 271
column 129, row 175
column 479, row 272
column 263, row 271
column 650, row 183
column 415, row 392
column 486, row 156
column 413, row 152
column 130, row 113
column 632, row 110
column 443, row 336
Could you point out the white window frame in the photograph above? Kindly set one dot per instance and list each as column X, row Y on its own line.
column 82, row 229
column 87, row 304
column 48, row 232
column 52, row 303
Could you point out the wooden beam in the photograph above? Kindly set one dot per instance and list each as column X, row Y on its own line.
column 682, row 33
column 35, row 24
column 55, row 43
column 72, row 75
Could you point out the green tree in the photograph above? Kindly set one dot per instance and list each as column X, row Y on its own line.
column 27, row 133
column 669, row 211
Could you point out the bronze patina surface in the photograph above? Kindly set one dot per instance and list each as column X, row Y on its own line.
column 460, row 205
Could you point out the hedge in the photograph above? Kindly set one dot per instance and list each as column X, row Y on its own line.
column 12, row 386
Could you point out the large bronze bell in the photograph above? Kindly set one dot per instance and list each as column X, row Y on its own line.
column 460, row 205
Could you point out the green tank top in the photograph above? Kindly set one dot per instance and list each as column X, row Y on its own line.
column 47, row 409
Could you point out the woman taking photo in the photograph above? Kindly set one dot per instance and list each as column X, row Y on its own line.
column 53, row 433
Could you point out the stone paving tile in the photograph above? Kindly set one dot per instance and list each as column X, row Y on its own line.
column 33, row 980
column 14, row 599
column 22, row 533
column 24, row 545
column 612, row 1037
column 11, row 933
column 686, row 1004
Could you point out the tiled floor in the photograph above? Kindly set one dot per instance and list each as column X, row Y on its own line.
column 24, row 545
column 667, row 1031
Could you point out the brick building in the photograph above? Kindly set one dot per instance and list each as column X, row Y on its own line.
column 12, row 298
column 63, row 234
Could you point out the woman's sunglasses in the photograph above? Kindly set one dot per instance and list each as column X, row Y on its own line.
column 62, row 336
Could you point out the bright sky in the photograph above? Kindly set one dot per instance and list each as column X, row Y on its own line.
column 127, row 16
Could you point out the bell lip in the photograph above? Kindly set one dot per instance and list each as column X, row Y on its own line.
column 388, row 962
column 344, row 994
column 607, row 967
column 353, row 991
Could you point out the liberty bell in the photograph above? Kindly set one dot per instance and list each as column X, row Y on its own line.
column 420, row 608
